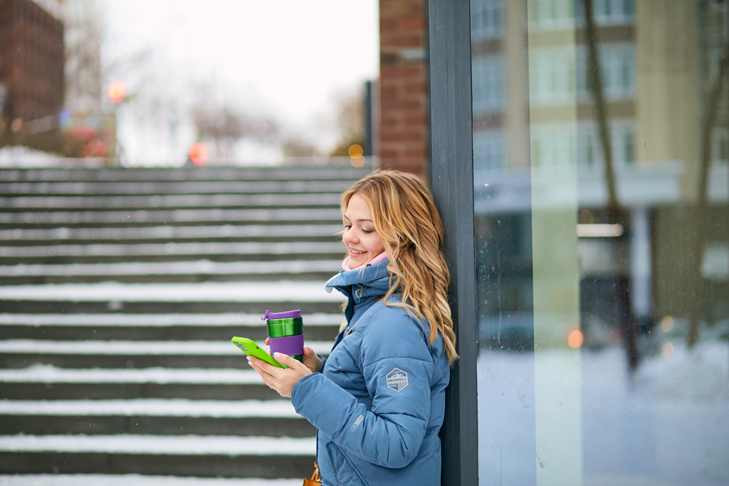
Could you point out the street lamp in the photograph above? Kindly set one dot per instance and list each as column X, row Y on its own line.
column 117, row 94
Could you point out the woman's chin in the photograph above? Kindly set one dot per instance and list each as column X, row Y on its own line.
column 358, row 261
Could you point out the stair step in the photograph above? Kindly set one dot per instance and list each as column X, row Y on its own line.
column 143, row 444
column 279, row 250
column 260, row 457
column 22, row 353
column 272, row 418
column 109, row 188
column 153, row 327
column 211, row 297
column 132, row 174
column 51, row 383
column 156, row 320
column 173, row 271
column 191, row 348
column 153, row 408
column 172, row 201
column 135, row 480
column 170, row 233
column 126, row 217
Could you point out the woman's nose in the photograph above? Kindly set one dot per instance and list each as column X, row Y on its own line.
column 348, row 236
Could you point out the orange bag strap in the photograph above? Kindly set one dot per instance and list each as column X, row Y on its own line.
column 315, row 479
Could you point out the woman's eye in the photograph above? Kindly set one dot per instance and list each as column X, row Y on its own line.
column 367, row 230
column 347, row 226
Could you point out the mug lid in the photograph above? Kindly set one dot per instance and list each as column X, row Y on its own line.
column 268, row 315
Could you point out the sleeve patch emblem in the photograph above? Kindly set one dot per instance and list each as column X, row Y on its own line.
column 397, row 379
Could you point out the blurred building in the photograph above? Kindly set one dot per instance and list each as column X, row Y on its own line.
column 535, row 111
column 31, row 68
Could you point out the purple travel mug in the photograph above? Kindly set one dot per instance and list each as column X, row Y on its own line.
column 285, row 333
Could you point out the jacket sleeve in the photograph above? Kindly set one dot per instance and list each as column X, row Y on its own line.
column 397, row 367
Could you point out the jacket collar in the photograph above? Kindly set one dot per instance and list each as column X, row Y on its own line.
column 370, row 280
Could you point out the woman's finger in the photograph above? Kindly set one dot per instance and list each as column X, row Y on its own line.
column 266, row 368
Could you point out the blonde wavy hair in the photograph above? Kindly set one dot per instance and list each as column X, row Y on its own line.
column 407, row 220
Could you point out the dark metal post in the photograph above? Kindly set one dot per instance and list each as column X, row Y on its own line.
column 368, row 120
column 451, row 178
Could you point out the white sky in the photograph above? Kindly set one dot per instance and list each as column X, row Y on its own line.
column 289, row 58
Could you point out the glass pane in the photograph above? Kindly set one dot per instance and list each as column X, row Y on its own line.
column 600, row 135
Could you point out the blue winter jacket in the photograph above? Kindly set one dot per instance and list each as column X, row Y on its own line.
column 379, row 401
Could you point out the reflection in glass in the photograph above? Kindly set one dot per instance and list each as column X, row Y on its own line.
column 601, row 173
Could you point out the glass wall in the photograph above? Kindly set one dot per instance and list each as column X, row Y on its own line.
column 601, row 178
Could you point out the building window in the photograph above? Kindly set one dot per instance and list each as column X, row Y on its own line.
column 555, row 72
column 487, row 19
column 720, row 145
column 488, row 89
column 564, row 14
column 622, row 135
column 488, row 149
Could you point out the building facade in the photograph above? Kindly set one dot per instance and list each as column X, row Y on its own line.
column 31, row 68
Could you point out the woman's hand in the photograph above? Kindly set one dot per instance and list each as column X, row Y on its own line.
column 311, row 360
column 280, row 380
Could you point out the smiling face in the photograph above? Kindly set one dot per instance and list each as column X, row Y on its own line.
column 359, row 237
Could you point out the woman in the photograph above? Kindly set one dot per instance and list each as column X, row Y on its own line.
column 378, row 401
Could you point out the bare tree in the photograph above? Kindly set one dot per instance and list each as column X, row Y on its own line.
column 350, row 122
column 708, row 123
column 84, row 32
column 615, row 212
column 225, row 124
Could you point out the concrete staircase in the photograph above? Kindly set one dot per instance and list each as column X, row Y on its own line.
column 119, row 292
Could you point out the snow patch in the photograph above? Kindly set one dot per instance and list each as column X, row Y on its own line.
column 171, row 268
column 192, row 348
column 170, row 248
column 150, row 407
column 52, row 374
column 155, row 320
column 166, row 445
column 281, row 291
column 136, row 480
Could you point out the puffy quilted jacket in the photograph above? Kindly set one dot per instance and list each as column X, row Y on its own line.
column 379, row 400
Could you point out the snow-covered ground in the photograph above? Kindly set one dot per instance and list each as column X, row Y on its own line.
column 19, row 156
column 667, row 425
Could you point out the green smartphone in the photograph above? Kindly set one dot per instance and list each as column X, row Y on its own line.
column 251, row 348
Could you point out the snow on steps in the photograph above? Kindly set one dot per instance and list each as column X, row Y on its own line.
column 281, row 291
column 116, row 347
column 272, row 418
column 220, row 456
column 50, row 382
column 156, row 320
column 134, row 480
column 168, row 232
